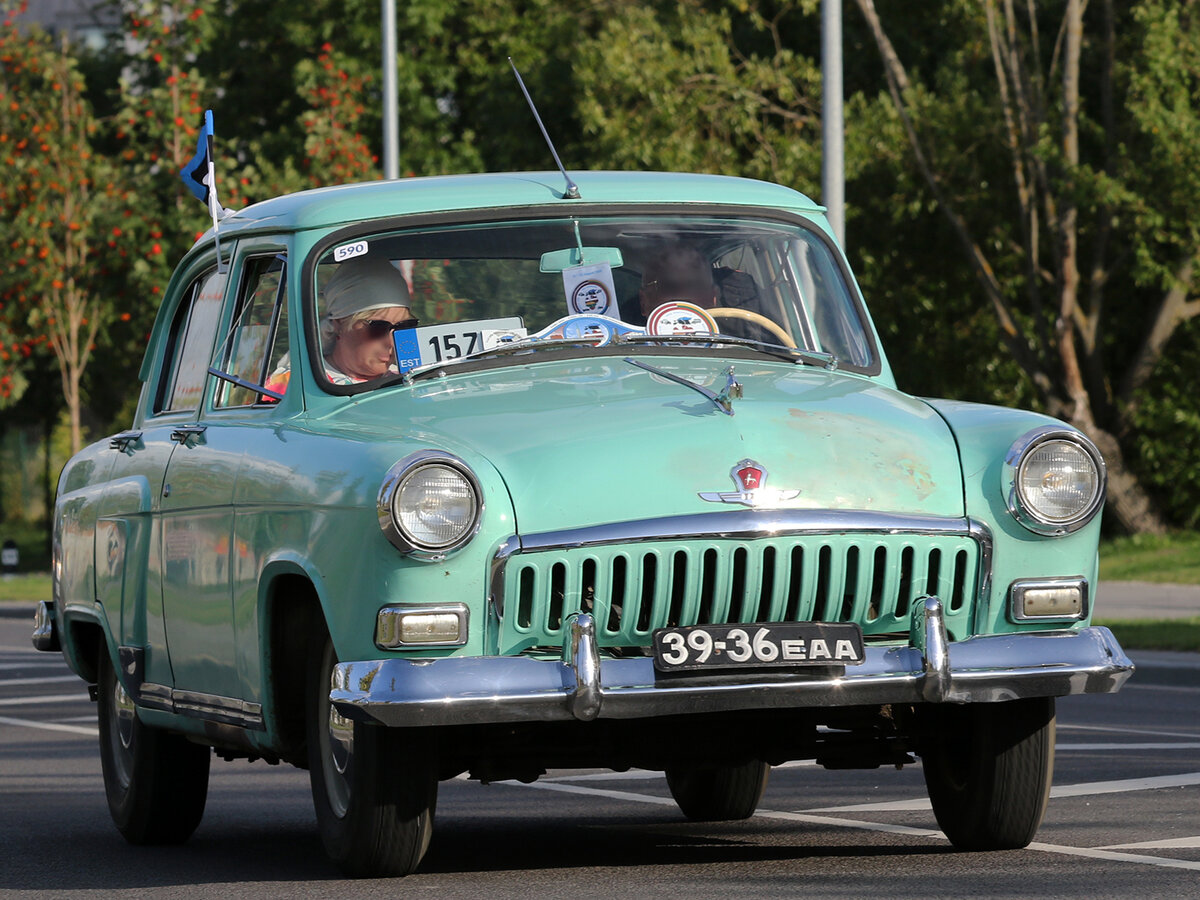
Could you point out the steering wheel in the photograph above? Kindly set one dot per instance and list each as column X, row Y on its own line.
column 730, row 312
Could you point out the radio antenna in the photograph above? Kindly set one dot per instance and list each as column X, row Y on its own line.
column 572, row 188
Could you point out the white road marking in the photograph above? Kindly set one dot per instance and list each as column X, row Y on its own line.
column 1180, row 745
column 34, row 664
column 50, row 726
column 28, row 681
column 49, row 698
column 1169, row 688
column 1187, row 843
column 1090, row 853
column 641, row 774
column 1142, row 732
column 1086, row 789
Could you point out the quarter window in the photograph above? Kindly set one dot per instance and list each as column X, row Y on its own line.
column 191, row 346
column 257, row 347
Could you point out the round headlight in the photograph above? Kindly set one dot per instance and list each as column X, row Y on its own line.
column 1056, row 481
column 429, row 503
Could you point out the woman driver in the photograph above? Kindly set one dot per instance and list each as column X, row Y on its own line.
column 366, row 299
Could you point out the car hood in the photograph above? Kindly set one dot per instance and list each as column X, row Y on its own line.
column 600, row 441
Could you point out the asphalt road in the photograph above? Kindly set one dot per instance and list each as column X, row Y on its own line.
column 1124, row 819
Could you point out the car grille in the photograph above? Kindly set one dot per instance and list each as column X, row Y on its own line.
column 631, row 590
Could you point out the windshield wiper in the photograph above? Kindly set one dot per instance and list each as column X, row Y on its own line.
column 793, row 354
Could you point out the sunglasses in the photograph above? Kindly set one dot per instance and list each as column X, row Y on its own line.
column 377, row 328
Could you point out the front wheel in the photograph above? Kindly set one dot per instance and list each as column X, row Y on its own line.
column 988, row 768
column 374, row 788
column 718, row 793
column 156, row 782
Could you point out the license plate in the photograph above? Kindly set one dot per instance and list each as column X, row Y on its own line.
column 758, row 644
column 438, row 343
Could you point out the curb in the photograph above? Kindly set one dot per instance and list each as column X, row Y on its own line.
column 17, row 611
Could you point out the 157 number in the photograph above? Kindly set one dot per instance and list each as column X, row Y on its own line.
column 448, row 346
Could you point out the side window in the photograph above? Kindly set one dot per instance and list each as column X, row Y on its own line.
column 256, row 351
column 191, row 343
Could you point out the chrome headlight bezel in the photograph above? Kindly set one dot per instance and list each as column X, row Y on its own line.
column 1023, row 509
column 390, row 521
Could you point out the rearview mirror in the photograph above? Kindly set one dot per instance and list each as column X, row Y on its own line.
column 557, row 260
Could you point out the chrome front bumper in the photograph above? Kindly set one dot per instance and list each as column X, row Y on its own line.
column 582, row 686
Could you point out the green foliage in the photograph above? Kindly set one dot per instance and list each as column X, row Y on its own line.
column 1167, row 559
column 1166, row 426
column 729, row 86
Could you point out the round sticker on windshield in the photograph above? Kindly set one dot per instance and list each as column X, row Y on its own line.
column 591, row 296
column 680, row 318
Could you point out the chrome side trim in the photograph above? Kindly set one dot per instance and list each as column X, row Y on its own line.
column 477, row 690
column 228, row 710
column 195, row 705
column 747, row 524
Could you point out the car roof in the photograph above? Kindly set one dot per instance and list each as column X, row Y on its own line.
column 331, row 206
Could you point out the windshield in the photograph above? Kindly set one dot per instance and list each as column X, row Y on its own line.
column 393, row 302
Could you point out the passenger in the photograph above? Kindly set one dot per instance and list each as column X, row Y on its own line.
column 678, row 273
column 366, row 299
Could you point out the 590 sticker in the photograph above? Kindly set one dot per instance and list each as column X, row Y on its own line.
column 349, row 251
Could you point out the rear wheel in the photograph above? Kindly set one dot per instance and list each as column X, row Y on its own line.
column 374, row 788
column 156, row 782
column 988, row 768
column 718, row 793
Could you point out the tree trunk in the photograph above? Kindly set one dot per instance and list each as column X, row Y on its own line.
column 1128, row 503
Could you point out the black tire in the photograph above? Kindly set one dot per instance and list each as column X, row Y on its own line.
column 718, row 793
column 156, row 782
column 374, row 788
column 988, row 768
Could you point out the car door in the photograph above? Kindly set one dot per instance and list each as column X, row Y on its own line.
column 201, row 549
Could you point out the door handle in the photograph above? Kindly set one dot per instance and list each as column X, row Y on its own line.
column 185, row 433
column 125, row 440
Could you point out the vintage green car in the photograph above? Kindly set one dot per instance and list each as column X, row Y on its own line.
column 480, row 474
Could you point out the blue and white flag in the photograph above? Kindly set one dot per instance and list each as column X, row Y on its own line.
column 198, row 174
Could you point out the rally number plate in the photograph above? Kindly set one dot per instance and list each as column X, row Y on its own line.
column 757, row 644
column 438, row 343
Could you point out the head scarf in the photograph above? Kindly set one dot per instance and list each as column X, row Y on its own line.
column 369, row 282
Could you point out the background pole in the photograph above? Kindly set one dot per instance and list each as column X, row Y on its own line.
column 833, row 174
column 391, row 120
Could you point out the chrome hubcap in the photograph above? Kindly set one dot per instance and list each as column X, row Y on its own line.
column 123, row 721
column 338, row 759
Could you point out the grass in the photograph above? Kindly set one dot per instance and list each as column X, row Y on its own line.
column 1165, row 559
column 1173, row 634
column 26, row 588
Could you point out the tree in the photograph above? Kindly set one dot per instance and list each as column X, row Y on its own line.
column 1046, row 255
column 58, row 196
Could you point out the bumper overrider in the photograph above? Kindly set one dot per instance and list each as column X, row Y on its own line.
column 582, row 686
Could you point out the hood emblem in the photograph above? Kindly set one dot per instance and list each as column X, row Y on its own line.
column 750, row 478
